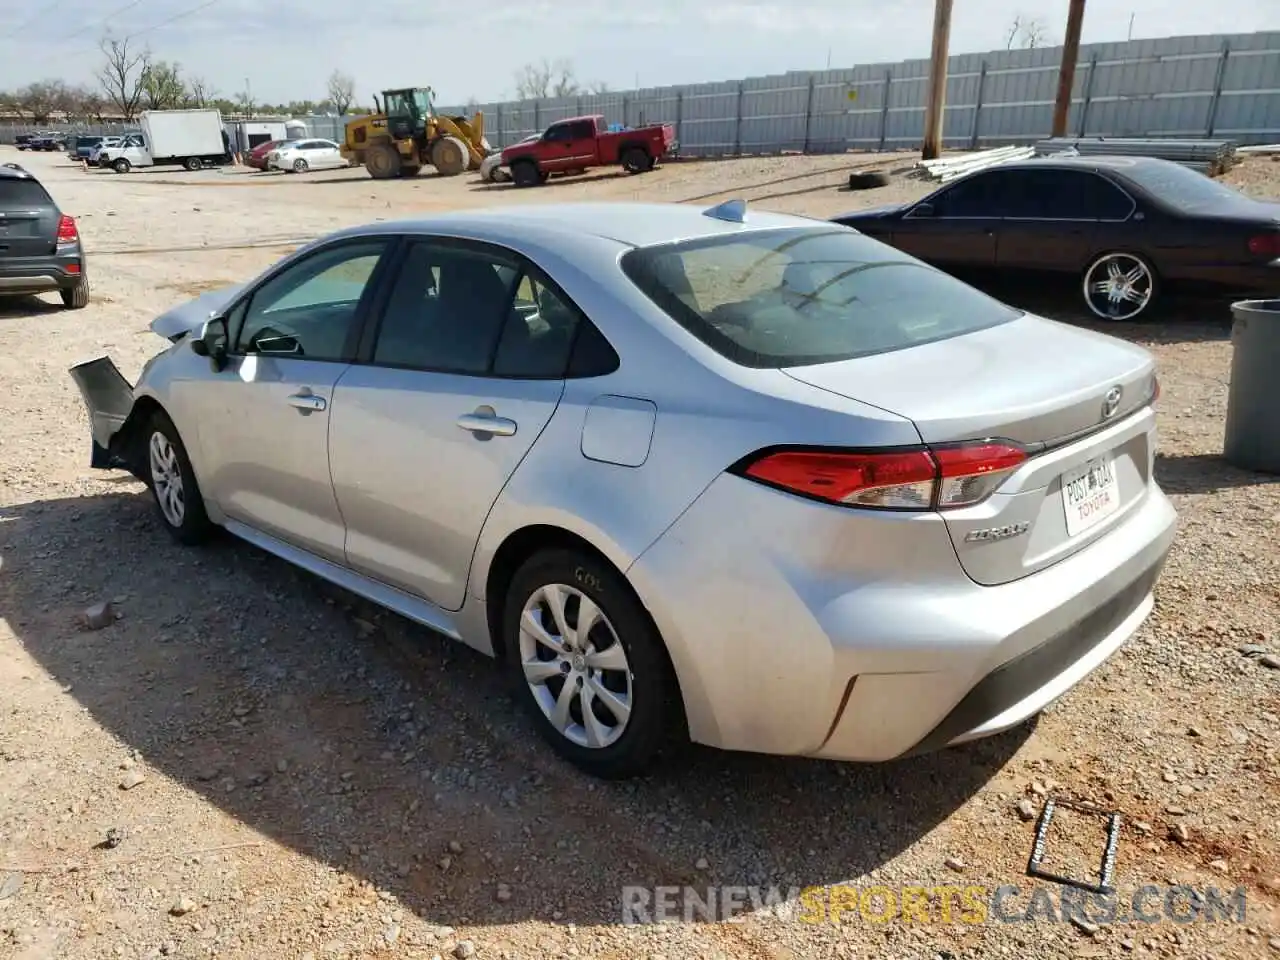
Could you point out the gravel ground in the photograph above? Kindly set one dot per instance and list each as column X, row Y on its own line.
column 247, row 762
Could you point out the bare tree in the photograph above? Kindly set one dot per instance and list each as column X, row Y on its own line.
column 200, row 93
column 123, row 76
column 163, row 86
column 39, row 100
column 342, row 91
column 538, row 81
column 597, row 88
column 1026, row 32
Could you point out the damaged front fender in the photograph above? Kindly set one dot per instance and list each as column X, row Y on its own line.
column 109, row 398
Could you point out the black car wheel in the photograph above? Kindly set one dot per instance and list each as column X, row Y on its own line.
column 526, row 173
column 173, row 482
column 637, row 160
column 1119, row 286
column 77, row 297
column 588, row 665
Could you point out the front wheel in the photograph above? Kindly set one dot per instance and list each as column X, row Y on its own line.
column 173, row 483
column 526, row 174
column 299, row 166
column 121, row 166
column 588, row 665
column 1119, row 286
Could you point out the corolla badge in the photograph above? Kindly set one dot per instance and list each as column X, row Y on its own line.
column 1111, row 402
column 991, row 534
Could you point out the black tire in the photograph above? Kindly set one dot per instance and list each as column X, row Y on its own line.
column 195, row 526
column 300, row 166
column 383, row 161
column 525, row 173
column 192, row 163
column 868, row 180
column 450, row 156
column 121, row 166
column 655, row 716
column 636, row 160
column 77, row 297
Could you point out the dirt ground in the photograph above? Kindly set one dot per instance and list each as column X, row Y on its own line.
column 251, row 763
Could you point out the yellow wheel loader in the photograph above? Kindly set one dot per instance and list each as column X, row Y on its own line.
column 406, row 134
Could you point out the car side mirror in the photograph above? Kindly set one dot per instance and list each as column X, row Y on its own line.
column 212, row 343
column 921, row 210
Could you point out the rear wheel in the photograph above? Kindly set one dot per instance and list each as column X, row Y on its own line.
column 383, row 162
column 192, row 163
column 588, row 665
column 77, row 297
column 449, row 156
column 173, row 483
column 1120, row 286
column 526, row 174
column 121, row 166
column 636, row 160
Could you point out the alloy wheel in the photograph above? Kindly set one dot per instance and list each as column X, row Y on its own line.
column 166, row 479
column 575, row 666
column 1118, row 286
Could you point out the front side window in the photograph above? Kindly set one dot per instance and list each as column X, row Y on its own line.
column 781, row 298
column 309, row 309
column 457, row 309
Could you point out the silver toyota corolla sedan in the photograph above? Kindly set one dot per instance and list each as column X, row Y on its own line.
column 750, row 479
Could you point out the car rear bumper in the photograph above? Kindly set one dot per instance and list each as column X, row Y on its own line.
column 25, row 275
column 800, row 628
column 1236, row 279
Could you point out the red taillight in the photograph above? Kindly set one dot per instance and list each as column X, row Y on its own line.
column 67, row 232
column 1265, row 245
column 920, row 478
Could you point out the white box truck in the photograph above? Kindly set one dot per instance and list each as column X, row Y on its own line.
column 189, row 138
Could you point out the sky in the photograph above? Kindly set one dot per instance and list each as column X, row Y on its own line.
column 286, row 49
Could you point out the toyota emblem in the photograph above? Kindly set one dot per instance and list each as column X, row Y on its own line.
column 1111, row 402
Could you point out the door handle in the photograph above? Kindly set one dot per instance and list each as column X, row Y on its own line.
column 485, row 423
column 307, row 401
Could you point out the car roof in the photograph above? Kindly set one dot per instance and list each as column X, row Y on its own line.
column 1052, row 162
column 14, row 173
column 632, row 224
column 589, row 116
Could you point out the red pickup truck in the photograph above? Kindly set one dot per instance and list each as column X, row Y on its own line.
column 582, row 142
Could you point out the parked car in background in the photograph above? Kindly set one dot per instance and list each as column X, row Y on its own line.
column 257, row 157
column 576, row 144
column 23, row 141
column 95, row 154
column 47, row 142
column 1124, row 230
column 492, row 168
column 83, row 147
column 40, row 250
column 299, row 156
column 750, row 478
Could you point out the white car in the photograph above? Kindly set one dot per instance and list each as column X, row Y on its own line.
column 95, row 155
column 299, row 156
column 492, row 169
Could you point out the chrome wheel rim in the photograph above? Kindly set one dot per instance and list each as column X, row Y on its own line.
column 166, row 479
column 575, row 666
column 1118, row 287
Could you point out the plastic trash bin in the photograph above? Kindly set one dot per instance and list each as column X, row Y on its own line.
column 1252, row 438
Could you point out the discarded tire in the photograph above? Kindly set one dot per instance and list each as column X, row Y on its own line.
column 868, row 180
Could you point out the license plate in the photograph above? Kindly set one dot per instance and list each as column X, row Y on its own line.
column 1089, row 494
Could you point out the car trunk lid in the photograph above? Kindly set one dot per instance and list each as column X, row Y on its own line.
column 1072, row 398
column 28, row 219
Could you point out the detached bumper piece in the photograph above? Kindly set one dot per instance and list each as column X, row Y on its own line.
column 108, row 396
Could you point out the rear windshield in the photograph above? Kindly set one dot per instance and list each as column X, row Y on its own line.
column 21, row 192
column 783, row 298
column 1181, row 186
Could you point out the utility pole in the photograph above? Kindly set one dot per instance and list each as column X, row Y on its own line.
column 1067, row 72
column 937, row 80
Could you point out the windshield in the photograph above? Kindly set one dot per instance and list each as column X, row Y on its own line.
column 397, row 105
column 1181, row 186
column 782, row 298
column 422, row 103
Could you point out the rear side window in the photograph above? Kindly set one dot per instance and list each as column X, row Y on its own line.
column 782, row 298
column 22, row 192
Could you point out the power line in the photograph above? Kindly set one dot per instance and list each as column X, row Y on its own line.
column 94, row 23
column 26, row 23
column 174, row 19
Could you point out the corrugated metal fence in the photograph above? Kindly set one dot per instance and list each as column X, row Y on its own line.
column 1226, row 86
